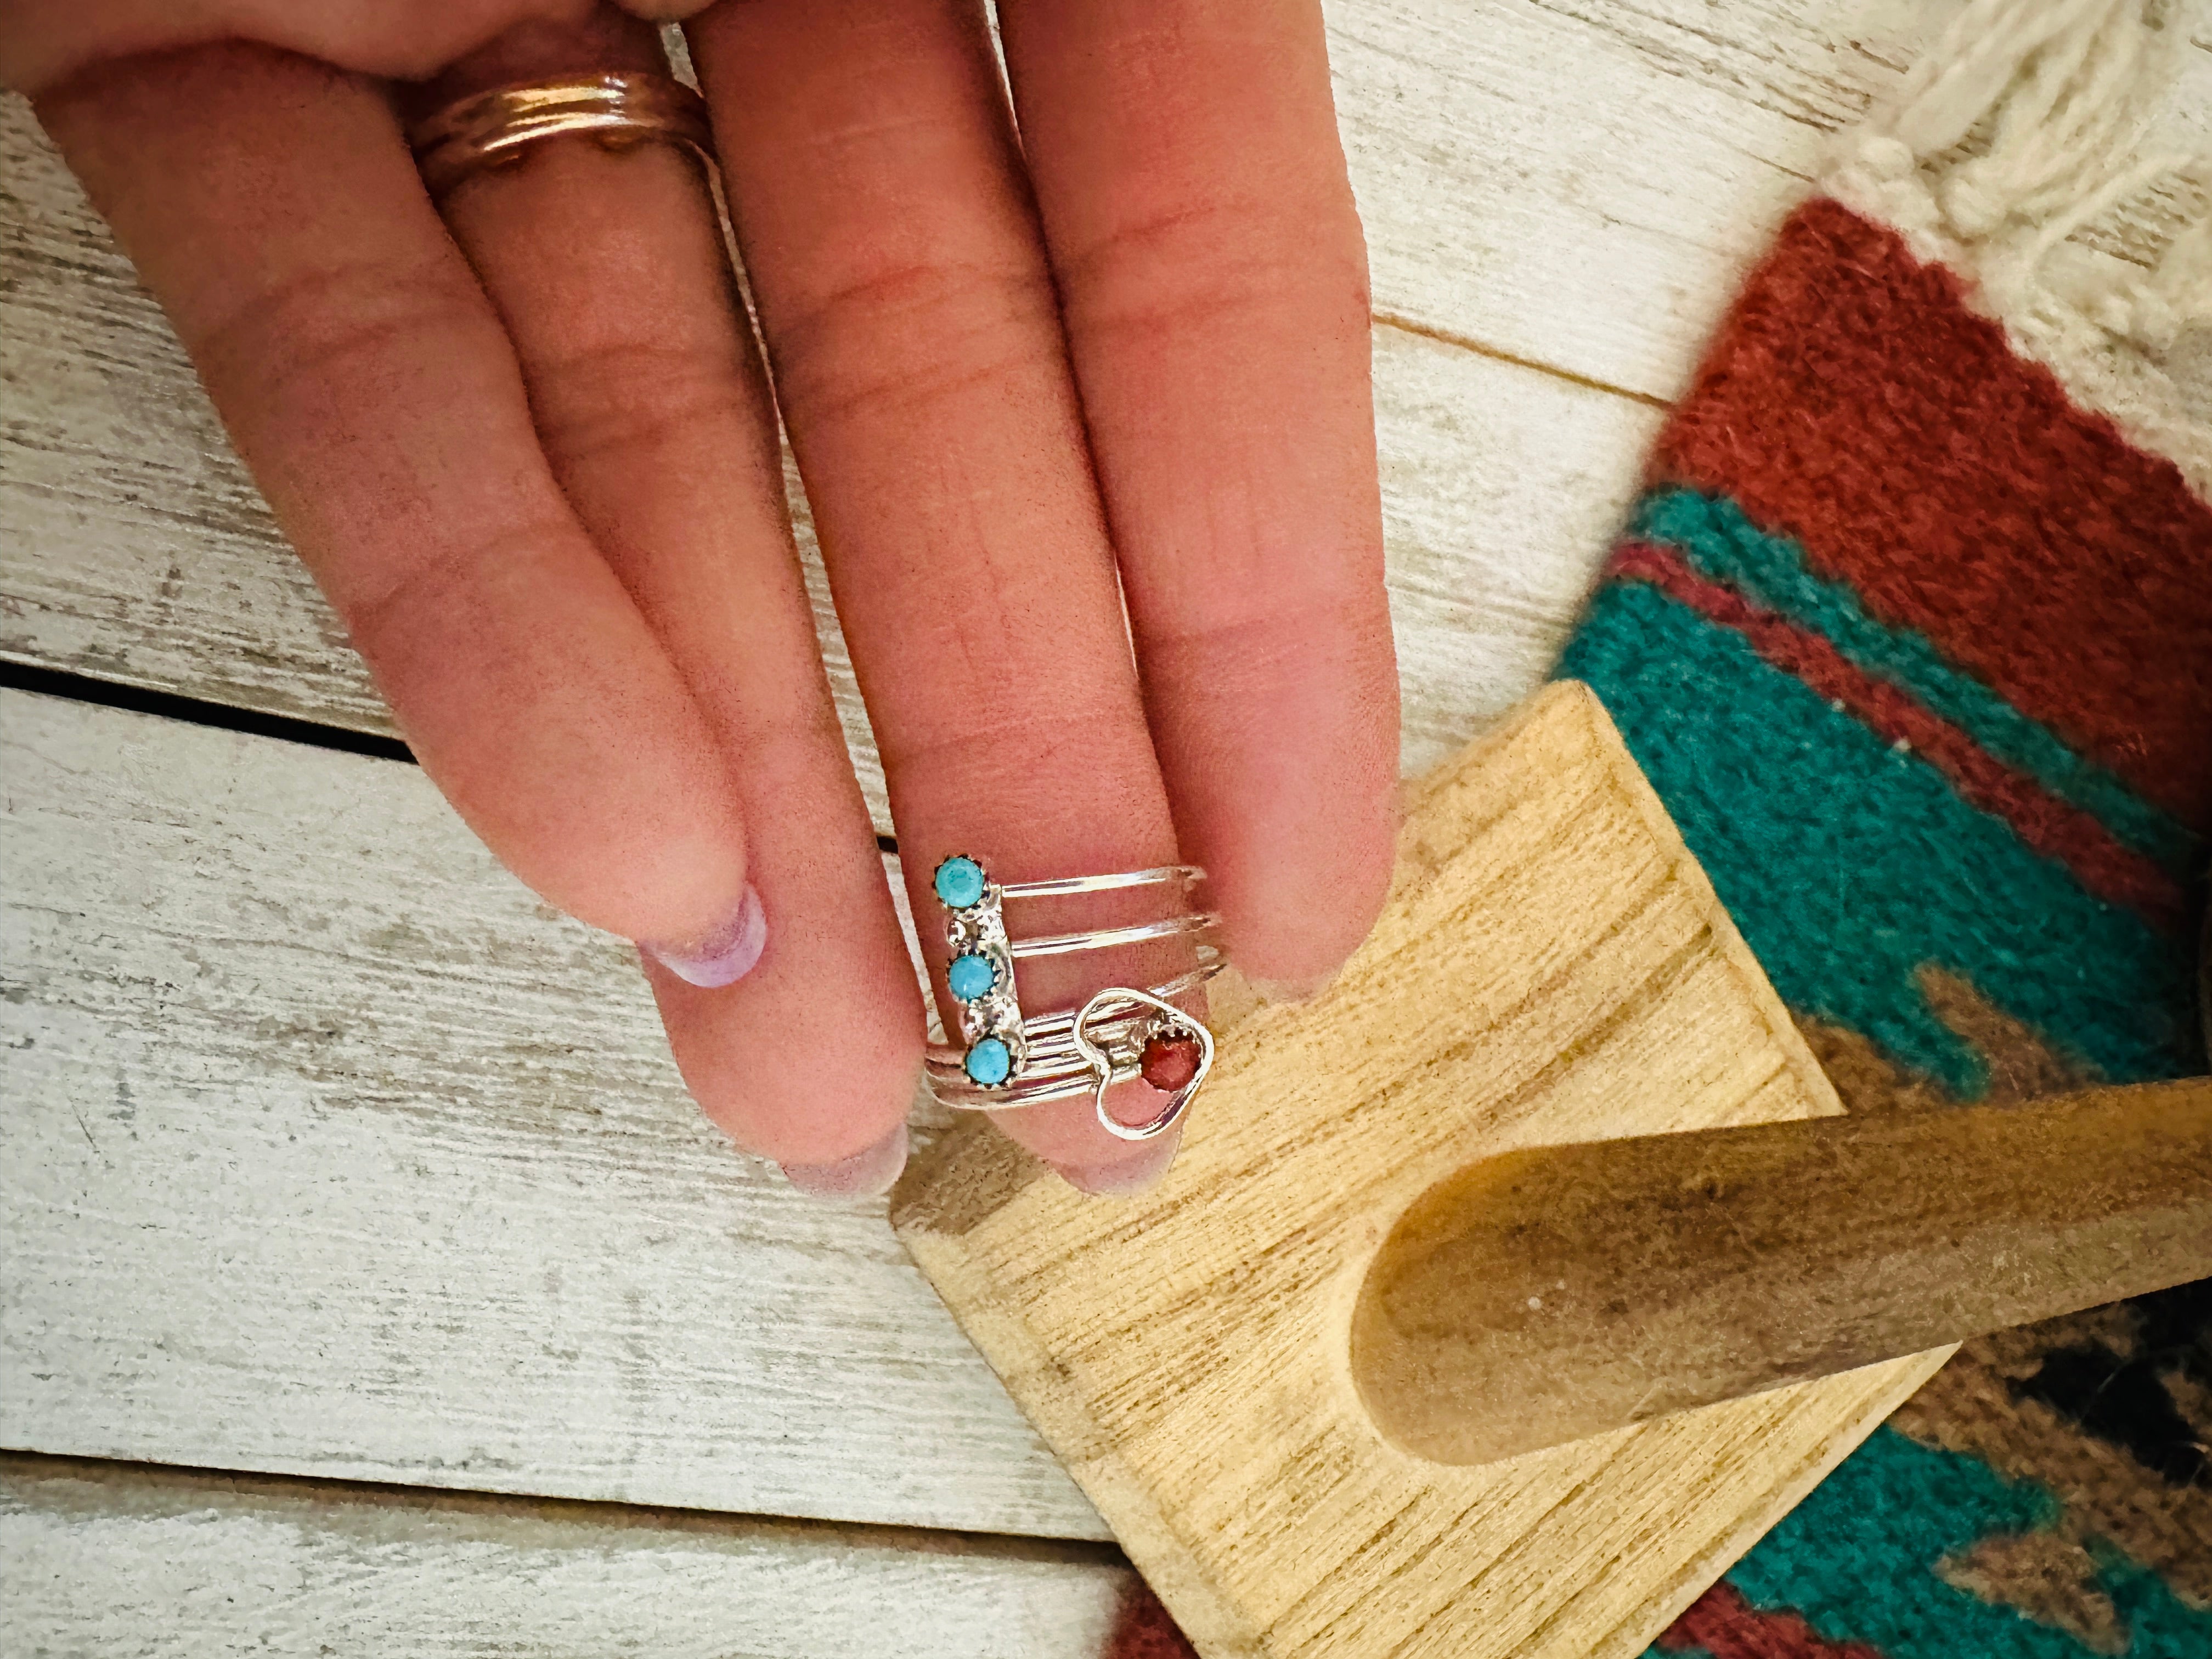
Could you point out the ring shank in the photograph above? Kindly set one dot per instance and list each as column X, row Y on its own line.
column 1105, row 938
column 481, row 130
column 1185, row 873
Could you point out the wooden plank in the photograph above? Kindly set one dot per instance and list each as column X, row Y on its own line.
column 1552, row 966
column 1537, row 187
column 1502, row 487
column 328, row 1150
column 115, row 1561
column 1581, row 183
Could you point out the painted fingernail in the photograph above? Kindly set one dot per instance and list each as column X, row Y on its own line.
column 867, row 1173
column 1124, row 1177
column 1291, row 990
column 724, row 956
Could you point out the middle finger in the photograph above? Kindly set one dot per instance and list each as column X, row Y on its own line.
column 911, row 323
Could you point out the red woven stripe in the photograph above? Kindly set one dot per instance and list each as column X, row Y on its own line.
column 1854, row 403
column 1728, row 1627
column 1143, row 1630
column 2113, row 872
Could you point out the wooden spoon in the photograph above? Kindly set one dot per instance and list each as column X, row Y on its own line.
column 1559, row 1291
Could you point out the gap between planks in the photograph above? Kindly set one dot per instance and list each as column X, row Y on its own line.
column 183, row 1483
column 1466, row 343
column 118, row 1560
column 133, row 698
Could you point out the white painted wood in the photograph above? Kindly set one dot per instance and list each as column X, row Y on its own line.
column 1534, row 187
column 1580, row 184
column 1502, row 488
column 118, row 1563
column 328, row 1150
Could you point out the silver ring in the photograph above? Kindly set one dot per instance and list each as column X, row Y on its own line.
column 1121, row 1033
column 491, row 128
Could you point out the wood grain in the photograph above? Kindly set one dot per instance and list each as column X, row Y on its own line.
column 328, row 1150
column 114, row 1562
column 1552, row 966
column 1554, row 1292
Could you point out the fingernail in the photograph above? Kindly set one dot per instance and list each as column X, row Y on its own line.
column 867, row 1173
column 724, row 957
column 1124, row 1177
column 1291, row 990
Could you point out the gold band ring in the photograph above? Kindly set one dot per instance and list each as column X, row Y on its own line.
column 487, row 129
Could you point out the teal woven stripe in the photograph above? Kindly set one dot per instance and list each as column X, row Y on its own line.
column 1855, row 1561
column 1848, row 866
column 1722, row 543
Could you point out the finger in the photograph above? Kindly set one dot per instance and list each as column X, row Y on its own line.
column 47, row 41
column 1213, row 282
column 870, row 163
column 608, row 270
column 272, row 209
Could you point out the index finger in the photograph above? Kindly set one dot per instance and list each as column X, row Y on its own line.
column 1214, row 279
column 270, row 204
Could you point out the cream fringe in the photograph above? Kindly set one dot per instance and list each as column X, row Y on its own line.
column 2028, row 121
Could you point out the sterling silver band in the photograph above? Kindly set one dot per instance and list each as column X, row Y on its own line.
column 490, row 129
column 1006, row 1059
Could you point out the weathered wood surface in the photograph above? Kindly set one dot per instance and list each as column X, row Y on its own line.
column 1552, row 966
column 114, row 1562
column 327, row 1150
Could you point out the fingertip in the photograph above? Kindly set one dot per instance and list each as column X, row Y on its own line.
column 723, row 956
column 1291, row 990
column 779, row 1096
column 869, row 1173
column 1280, row 745
column 1300, row 886
column 812, row 1058
column 1141, row 1167
column 658, row 855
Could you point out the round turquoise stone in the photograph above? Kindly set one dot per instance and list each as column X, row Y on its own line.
column 971, row 976
column 959, row 882
column 988, row 1062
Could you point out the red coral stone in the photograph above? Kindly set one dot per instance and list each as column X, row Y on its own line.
column 1170, row 1062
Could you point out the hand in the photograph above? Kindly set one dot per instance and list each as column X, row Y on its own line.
column 528, row 453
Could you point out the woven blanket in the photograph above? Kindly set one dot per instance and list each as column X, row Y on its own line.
column 1912, row 630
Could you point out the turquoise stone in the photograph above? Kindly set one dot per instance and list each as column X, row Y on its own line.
column 971, row 976
column 959, row 882
column 988, row 1062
